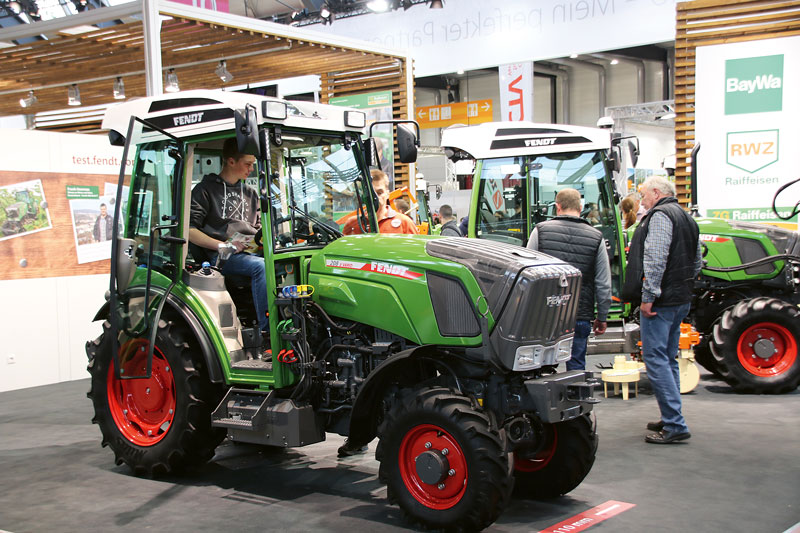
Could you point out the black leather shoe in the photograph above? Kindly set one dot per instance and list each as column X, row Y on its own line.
column 655, row 426
column 666, row 437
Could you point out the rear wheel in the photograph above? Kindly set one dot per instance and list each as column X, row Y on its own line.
column 443, row 460
column 161, row 424
column 755, row 345
column 560, row 464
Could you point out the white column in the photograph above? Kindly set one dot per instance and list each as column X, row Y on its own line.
column 151, row 25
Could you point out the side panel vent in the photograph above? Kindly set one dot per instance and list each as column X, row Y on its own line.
column 454, row 312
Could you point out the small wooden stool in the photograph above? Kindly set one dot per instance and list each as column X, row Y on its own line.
column 620, row 377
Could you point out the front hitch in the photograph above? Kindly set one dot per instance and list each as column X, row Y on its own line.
column 562, row 397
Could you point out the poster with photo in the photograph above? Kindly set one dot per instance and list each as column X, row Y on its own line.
column 110, row 189
column 23, row 209
column 92, row 222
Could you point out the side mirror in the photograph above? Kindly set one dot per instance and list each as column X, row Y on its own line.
column 633, row 148
column 371, row 152
column 614, row 158
column 406, row 144
column 246, row 122
column 116, row 138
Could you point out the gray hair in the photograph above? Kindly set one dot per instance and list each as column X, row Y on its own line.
column 660, row 184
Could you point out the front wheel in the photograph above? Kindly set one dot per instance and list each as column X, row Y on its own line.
column 755, row 345
column 562, row 460
column 443, row 460
column 161, row 424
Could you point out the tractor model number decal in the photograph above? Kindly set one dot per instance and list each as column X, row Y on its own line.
column 712, row 238
column 375, row 266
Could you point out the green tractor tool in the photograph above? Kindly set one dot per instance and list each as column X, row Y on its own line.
column 746, row 299
column 442, row 348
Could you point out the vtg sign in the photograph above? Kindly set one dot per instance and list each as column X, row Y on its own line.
column 516, row 91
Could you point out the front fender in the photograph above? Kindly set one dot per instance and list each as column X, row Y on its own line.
column 206, row 347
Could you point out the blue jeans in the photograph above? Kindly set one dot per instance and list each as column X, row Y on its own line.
column 578, row 360
column 251, row 266
column 660, row 336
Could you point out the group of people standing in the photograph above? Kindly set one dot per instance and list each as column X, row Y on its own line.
column 663, row 260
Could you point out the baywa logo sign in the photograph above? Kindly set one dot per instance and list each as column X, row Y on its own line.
column 752, row 150
column 753, row 84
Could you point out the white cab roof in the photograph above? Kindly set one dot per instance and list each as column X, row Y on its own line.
column 190, row 113
column 509, row 139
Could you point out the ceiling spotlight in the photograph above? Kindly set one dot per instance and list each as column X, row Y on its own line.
column 573, row 56
column 460, row 71
column 172, row 82
column 326, row 15
column 223, row 72
column 29, row 100
column 73, row 95
column 119, row 89
column 437, row 4
column 615, row 62
column 378, row 6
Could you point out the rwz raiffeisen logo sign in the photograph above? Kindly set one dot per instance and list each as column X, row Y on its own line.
column 752, row 150
column 754, row 84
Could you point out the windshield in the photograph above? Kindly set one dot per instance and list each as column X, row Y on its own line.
column 315, row 187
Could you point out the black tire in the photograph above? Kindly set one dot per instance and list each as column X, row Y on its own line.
column 176, row 402
column 704, row 358
column 480, row 487
column 564, row 460
column 747, row 334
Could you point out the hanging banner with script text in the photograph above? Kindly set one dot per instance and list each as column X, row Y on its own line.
column 516, row 91
column 746, row 123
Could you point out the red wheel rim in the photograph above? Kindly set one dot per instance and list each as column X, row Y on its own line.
column 767, row 349
column 542, row 457
column 425, row 438
column 142, row 409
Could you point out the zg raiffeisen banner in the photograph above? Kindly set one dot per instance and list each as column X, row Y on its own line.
column 746, row 120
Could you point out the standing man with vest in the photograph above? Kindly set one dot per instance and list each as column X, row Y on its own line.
column 664, row 259
column 572, row 239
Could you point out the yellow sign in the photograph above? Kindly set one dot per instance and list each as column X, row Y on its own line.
column 441, row 116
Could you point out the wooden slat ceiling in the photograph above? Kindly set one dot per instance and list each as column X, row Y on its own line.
column 193, row 48
column 709, row 22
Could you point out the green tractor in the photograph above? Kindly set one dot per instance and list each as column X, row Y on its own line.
column 20, row 212
column 443, row 349
column 746, row 299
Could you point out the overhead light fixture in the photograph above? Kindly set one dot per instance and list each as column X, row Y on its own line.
column 119, row 89
column 460, row 71
column 73, row 95
column 172, row 82
column 436, row 4
column 573, row 56
column 326, row 14
column 29, row 100
column 378, row 6
column 615, row 62
column 222, row 72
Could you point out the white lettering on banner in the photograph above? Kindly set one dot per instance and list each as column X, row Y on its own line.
column 185, row 120
column 733, row 85
column 477, row 32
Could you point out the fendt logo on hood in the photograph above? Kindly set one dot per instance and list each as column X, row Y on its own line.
column 754, row 85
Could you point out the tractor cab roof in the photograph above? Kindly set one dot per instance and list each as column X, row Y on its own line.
column 509, row 139
column 200, row 112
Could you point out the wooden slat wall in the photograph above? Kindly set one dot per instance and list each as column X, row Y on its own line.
column 392, row 77
column 710, row 22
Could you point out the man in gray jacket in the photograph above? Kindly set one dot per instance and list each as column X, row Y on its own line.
column 573, row 239
column 449, row 224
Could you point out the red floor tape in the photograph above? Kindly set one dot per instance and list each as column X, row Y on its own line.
column 587, row 519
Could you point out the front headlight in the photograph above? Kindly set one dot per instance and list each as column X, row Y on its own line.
column 535, row 356
column 564, row 350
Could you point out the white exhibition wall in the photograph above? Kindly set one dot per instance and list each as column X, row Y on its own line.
column 46, row 321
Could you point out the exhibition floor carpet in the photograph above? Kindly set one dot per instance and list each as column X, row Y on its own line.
column 739, row 472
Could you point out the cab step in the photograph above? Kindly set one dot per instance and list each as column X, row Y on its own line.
column 260, row 417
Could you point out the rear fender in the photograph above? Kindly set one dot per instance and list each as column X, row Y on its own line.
column 206, row 347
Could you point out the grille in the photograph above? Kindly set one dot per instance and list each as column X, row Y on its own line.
column 455, row 315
